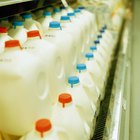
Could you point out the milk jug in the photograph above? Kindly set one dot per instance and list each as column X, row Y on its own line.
column 3, row 37
column 57, row 14
column 23, row 90
column 45, row 20
column 70, row 28
column 63, row 112
column 63, row 41
column 103, row 53
column 52, row 61
column 88, row 84
column 77, row 23
column 18, row 32
column 91, row 19
column 5, row 23
column 82, row 101
column 31, row 24
column 106, row 46
column 46, row 130
column 95, row 71
column 86, row 26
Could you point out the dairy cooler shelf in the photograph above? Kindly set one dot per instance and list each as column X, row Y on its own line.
column 13, row 7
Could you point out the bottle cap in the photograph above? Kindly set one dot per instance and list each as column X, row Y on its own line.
column 3, row 30
column 65, row 98
column 77, row 10
column 12, row 44
column 71, row 14
column 93, row 48
column 56, row 10
column 62, row 8
column 54, row 24
column 42, row 126
column 81, row 7
column 99, row 36
column 27, row 16
column 102, row 31
column 65, row 18
column 81, row 67
column 73, row 80
column 46, row 13
column 89, row 55
column 17, row 23
column 33, row 33
column 96, row 41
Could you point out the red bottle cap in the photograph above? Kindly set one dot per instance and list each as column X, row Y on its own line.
column 65, row 98
column 43, row 125
column 33, row 33
column 12, row 43
column 3, row 30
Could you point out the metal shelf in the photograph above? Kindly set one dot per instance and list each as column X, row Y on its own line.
column 13, row 7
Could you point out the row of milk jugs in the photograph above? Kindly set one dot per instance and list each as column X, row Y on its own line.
column 52, row 76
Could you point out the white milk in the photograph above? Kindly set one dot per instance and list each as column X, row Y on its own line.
column 51, row 59
column 31, row 24
column 86, row 26
column 85, row 30
column 77, row 23
column 81, row 101
column 89, row 85
column 95, row 71
column 91, row 20
column 65, row 115
column 45, row 20
column 18, row 32
column 5, row 23
column 70, row 28
column 24, row 96
column 45, row 130
column 57, row 14
column 63, row 41
column 3, row 37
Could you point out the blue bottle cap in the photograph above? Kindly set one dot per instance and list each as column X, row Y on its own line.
column 81, row 67
column 105, row 27
column 18, row 23
column 65, row 18
column 73, row 80
column 56, row 10
column 71, row 14
column 89, row 55
column 81, row 7
column 54, row 24
column 27, row 16
column 62, row 7
column 93, row 48
column 46, row 13
column 102, row 31
column 77, row 10
column 99, row 36
column 96, row 41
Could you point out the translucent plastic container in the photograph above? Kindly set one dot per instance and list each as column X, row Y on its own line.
column 45, row 130
column 21, row 101
column 63, row 112
column 18, row 32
